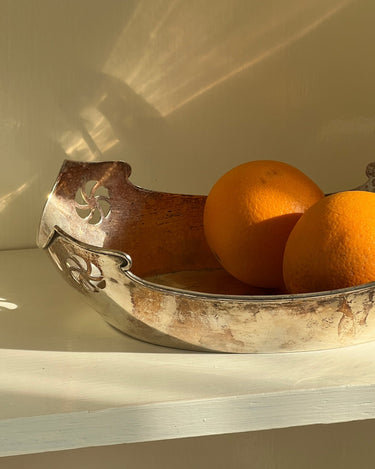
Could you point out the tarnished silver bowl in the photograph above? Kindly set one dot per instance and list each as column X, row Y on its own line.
column 140, row 259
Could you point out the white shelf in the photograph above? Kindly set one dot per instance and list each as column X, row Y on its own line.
column 69, row 380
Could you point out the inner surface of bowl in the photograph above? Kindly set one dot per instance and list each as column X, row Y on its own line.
column 96, row 203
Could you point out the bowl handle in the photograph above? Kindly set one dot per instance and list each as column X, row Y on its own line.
column 82, row 200
column 369, row 185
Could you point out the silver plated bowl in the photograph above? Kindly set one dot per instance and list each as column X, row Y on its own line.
column 140, row 259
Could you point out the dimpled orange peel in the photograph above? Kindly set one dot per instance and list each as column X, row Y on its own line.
column 333, row 244
column 249, row 214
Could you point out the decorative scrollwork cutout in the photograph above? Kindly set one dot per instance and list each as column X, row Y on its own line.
column 85, row 273
column 92, row 202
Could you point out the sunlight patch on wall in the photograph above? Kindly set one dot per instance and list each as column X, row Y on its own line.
column 6, row 199
column 172, row 51
column 94, row 137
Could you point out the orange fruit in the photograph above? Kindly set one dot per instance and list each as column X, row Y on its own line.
column 332, row 245
column 249, row 214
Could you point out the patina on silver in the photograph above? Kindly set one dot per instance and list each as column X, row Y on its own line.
column 140, row 259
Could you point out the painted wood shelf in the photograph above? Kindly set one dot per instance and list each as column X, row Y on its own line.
column 69, row 380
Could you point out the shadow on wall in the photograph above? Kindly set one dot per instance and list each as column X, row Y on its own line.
column 110, row 121
column 183, row 91
column 43, row 45
column 190, row 90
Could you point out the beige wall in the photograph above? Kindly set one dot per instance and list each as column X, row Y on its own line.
column 181, row 89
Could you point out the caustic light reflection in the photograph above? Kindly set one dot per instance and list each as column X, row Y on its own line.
column 5, row 304
column 6, row 199
column 94, row 137
column 171, row 51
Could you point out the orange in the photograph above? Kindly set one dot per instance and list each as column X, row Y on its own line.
column 333, row 244
column 249, row 214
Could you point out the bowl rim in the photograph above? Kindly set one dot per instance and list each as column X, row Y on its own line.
column 126, row 263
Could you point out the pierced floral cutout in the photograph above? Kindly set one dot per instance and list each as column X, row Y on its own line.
column 85, row 273
column 92, row 202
